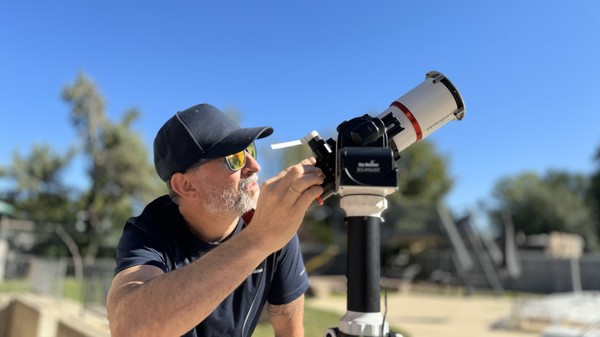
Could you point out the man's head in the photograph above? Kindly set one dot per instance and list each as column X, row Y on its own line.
column 200, row 133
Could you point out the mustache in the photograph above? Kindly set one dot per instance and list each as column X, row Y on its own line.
column 247, row 181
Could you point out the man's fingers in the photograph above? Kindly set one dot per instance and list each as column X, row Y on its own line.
column 308, row 196
column 292, row 182
column 305, row 167
column 309, row 161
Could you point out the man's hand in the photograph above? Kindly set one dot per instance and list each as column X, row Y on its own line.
column 283, row 202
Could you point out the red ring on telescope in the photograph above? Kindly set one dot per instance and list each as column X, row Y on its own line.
column 411, row 118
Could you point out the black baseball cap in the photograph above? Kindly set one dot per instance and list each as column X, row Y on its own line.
column 200, row 132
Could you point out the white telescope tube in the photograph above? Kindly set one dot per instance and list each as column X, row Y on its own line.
column 424, row 109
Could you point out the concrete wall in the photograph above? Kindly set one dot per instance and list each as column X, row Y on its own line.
column 540, row 273
column 544, row 274
column 4, row 301
column 77, row 329
column 20, row 319
column 29, row 315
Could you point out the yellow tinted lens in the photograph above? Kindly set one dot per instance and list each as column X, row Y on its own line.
column 236, row 161
column 252, row 150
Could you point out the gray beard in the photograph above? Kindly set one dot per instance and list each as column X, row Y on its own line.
column 231, row 201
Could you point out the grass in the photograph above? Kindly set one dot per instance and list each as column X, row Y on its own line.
column 316, row 323
column 13, row 286
column 71, row 288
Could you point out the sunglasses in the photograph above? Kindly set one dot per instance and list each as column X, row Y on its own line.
column 237, row 161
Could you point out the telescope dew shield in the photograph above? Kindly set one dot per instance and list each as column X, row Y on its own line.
column 424, row 109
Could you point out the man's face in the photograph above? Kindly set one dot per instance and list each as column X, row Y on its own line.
column 226, row 191
column 232, row 200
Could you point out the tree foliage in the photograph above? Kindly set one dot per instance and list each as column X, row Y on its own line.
column 38, row 190
column 423, row 182
column 39, row 193
column 116, row 161
column 118, row 166
column 423, row 173
column 38, row 175
column 594, row 193
column 554, row 202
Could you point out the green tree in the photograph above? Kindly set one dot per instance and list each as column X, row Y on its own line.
column 423, row 182
column 38, row 190
column 555, row 202
column 42, row 197
column 121, row 179
column 423, row 173
column 117, row 163
column 594, row 192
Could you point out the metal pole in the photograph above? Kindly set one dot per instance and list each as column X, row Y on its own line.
column 363, row 264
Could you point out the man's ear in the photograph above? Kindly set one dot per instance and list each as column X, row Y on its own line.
column 182, row 185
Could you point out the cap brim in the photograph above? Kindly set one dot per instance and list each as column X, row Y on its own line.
column 237, row 141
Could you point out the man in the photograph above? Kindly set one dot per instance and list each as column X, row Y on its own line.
column 190, row 264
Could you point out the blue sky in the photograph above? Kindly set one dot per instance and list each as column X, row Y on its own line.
column 528, row 72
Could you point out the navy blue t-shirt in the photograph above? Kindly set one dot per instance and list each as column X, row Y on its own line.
column 160, row 237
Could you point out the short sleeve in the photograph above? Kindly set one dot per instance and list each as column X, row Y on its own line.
column 137, row 248
column 290, row 280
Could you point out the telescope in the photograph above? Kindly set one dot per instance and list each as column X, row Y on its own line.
column 409, row 119
column 360, row 166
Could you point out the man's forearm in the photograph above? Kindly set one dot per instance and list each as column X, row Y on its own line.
column 288, row 319
column 173, row 303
